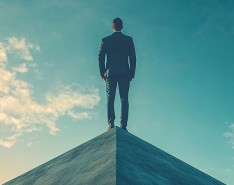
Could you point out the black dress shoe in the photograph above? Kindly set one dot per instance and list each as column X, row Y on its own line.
column 124, row 128
column 110, row 126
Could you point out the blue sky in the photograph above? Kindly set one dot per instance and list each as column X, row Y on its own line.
column 52, row 97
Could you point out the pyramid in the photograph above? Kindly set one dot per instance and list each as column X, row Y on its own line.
column 115, row 157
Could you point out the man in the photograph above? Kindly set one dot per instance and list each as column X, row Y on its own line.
column 119, row 68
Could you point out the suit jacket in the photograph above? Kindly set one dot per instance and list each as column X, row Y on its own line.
column 120, row 52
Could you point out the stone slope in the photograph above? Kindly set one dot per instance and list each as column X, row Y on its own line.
column 139, row 162
column 115, row 157
column 93, row 162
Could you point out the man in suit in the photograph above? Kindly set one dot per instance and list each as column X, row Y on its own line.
column 117, row 64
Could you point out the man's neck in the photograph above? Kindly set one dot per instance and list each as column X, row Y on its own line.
column 116, row 31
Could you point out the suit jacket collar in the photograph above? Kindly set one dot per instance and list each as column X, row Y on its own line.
column 117, row 32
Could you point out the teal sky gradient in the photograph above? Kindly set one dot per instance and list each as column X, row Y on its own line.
column 181, row 99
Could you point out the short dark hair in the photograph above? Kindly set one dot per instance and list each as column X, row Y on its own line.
column 118, row 23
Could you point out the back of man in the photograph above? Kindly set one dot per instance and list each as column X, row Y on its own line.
column 118, row 49
column 117, row 63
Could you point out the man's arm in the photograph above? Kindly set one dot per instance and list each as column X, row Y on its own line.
column 101, row 59
column 132, row 59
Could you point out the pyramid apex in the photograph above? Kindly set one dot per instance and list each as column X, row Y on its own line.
column 115, row 157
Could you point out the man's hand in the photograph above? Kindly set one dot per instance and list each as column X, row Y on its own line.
column 131, row 77
column 104, row 77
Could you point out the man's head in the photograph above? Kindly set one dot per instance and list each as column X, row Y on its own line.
column 117, row 24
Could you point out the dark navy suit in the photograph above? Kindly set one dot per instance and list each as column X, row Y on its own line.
column 117, row 64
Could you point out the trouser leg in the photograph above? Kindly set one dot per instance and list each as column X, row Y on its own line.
column 111, row 83
column 124, row 83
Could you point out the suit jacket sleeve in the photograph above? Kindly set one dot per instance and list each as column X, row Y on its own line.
column 101, row 59
column 132, row 59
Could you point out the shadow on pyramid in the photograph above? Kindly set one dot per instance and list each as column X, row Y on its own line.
column 115, row 157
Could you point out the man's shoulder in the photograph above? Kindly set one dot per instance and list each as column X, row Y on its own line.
column 107, row 37
column 114, row 35
column 127, row 36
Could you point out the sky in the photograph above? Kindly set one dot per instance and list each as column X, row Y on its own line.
column 53, row 99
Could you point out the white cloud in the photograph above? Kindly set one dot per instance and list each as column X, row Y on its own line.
column 3, row 56
column 5, row 79
column 29, row 144
column 9, row 141
column 21, row 68
column 79, row 116
column 22, row 47
column 18, row 107
column 230, row 134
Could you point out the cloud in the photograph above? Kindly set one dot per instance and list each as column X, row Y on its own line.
column 18, row 106
column 9, row 141
column 22, row 47
column 29, row 144
column 21, row 68
column 79, row 116
column 230, row 134
column 3, row 56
